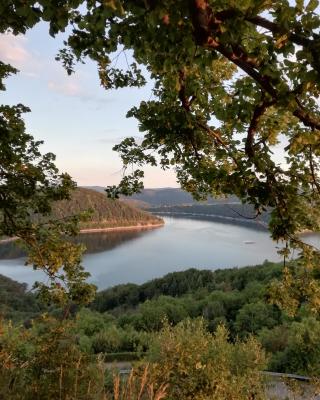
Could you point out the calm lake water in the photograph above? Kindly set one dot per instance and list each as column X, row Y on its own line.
column 121, row 257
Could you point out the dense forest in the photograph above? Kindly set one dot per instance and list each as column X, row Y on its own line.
column 105, row 213
column 122, row 320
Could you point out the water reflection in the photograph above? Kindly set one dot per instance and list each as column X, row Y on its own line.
column 102, row 241
column 96, row 242
column 10, row 251
column 138, row 256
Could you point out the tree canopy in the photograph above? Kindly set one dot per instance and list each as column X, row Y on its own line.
column 29, row 185
column 235, row 101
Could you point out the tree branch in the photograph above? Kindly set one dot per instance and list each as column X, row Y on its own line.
column 258, row 112
column 275, row 28
column 313, row 172
column 205, row 22
column 242, row 62
column 305, row 117
column 182, row 92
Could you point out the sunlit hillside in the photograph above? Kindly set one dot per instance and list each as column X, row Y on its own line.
column 105, row 212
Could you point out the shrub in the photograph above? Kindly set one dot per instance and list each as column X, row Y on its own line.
column 200, row 366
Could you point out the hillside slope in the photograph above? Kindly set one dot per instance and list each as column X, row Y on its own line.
column 106, row 213
column 166, row 197
column 171, row 197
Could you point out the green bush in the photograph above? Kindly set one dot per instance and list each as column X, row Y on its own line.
column 200, row 366
column 48, row 365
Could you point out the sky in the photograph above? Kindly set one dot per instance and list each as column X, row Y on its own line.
column 78, row 120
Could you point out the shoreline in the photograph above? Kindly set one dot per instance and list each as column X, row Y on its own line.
column 10, row 239
column 121, row 228
column 97, row 230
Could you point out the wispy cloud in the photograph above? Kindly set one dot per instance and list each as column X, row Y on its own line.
column 13, row 51
column 17, row 51
column 75, row 86
column 67, row 88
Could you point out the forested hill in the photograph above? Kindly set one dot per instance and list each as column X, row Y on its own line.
column 191, row 281
column 233, row 213
column 106, row 213
column 178, row 203
column 173, row 196
column 122, row 321
column 167, row 197
column 16, row 302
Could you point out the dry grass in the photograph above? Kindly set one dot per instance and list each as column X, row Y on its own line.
column 137, row 387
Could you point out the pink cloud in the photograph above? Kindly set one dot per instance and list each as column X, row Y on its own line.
column 13, row 50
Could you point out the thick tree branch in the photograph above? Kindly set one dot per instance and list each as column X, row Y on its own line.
column 185, row 101
column 313, row 172
column 305, row 117
column 243, row 63
column 271, row 26
column 218, row 141
column 257, row 20
column 258, row 112
column 213, row 133
column 296, row 38
column 205, row 23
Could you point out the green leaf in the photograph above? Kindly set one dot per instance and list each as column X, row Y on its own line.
column 299, row 5
column 313, row 4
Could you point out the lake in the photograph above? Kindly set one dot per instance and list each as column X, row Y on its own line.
column 138, row 256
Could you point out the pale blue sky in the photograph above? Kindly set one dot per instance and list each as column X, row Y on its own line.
column 79, row 121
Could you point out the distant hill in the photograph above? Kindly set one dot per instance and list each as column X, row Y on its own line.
column 166, row 197
column 99, row 189
column 172, row 197
column 177, row 203
column 231, row 213
column 106, row 213
column 16, row 302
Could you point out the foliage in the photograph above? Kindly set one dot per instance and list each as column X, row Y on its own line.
column 198, row 365
column 29, row 184
column 100, row 333
column 231, row 81
column 45, row 362
column 236, row 298
column 300, row 283
column 16, row 303
column 176, row 284
column 253, row 316
column 295, row 347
